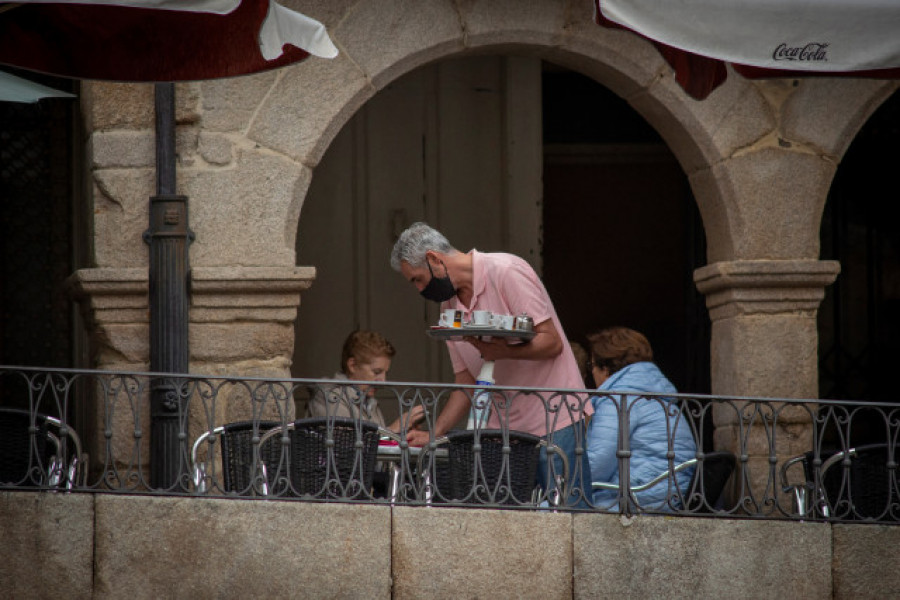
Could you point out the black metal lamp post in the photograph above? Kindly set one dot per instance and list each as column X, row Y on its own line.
column 168, row 237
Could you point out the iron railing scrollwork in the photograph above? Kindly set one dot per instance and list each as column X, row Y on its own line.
column 247, row 437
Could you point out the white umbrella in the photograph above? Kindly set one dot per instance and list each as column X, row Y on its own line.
column 16, row 89
column 764, row 38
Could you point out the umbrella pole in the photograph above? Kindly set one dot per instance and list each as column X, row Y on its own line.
column 168, row 237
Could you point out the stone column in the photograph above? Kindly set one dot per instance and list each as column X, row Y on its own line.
column 241, row 325
column 764, row 343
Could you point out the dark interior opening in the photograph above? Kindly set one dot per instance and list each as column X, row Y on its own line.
column 622, row 232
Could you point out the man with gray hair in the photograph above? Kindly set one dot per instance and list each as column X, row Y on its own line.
column 504, row 284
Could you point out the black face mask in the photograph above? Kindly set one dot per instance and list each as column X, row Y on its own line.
column 439, row 289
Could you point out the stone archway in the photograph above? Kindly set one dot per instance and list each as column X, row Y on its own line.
column 760, row 156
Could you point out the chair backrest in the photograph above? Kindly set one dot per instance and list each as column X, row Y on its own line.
column 708, row 481
column 237, row 457
column 862, row 491
column 333, row 457
column 478, row 474
column 25, row 448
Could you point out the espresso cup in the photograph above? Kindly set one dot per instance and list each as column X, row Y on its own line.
column 504, row 322
column 482, row 318
column 447, row 317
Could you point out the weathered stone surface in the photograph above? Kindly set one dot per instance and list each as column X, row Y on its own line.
column 47, row 548
column 430, row 31
column 500, row 23
column 112, row 295
column 670, row 557
column 756, row 439
column 737, row 118
column 121, row 428
column 187, row 146
column 765, row 355
column 241, row 341
column 274, row 401
column 701, row 133
column 309, row 105
column 121, row 215
column 128, row 342
column 250, row 287
column 517, row 555
column 827, row 113
column 623, row 62
column 764, row 205
column 187, row 102
column 207, row 548
column 216, row 148
column 764, row 286
column 865, row 562
column 117, row 105
column 123, row 149
column 241, row 215
column 228, row 104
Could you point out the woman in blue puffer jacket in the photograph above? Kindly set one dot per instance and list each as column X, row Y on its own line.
column 621, row 361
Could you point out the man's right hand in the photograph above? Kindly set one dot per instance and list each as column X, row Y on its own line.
column 418, row 438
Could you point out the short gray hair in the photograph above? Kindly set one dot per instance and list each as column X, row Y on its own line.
column 413, row 243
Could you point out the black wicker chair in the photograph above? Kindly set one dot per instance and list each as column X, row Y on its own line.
column 867, row 488
column 708, row 482
column 39, row 451
column 331, row 457
column 239, row 472
column 480, row 475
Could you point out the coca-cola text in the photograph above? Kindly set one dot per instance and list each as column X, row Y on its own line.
column 814, row 51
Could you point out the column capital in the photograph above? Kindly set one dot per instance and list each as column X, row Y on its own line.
column 239, row 316
column 118, row 295
column 220, row 294
column 745, row 287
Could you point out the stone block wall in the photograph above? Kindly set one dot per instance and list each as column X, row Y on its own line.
column 106, row 546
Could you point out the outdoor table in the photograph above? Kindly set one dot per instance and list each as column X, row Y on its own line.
column 390, row 453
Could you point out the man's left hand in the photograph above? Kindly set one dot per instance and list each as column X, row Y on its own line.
column 546, row 343
column 495, row 349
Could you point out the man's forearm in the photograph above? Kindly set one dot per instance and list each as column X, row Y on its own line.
column 456, row 408
column 542, row 346
column 546, row 344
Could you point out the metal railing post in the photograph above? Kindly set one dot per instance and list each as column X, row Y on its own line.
column 168, row 237
column 623, row 453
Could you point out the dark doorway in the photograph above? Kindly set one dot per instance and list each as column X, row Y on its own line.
column 35, row 234
column 622, row 233
column 859, row 320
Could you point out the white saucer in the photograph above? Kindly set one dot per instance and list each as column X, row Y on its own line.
column 475, row 326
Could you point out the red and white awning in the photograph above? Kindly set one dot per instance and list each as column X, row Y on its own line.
column 156, row 40
column 765, row 38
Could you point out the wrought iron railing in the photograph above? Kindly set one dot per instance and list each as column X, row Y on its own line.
column 89, row 431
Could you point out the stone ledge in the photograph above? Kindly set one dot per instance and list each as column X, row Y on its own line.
column 153, row 547
column 667, row 557
column 472, row 553
column 764, row 286
column 47, row 548
column 865, row 561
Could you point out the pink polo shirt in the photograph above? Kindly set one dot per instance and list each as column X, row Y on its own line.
column 505, row 283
